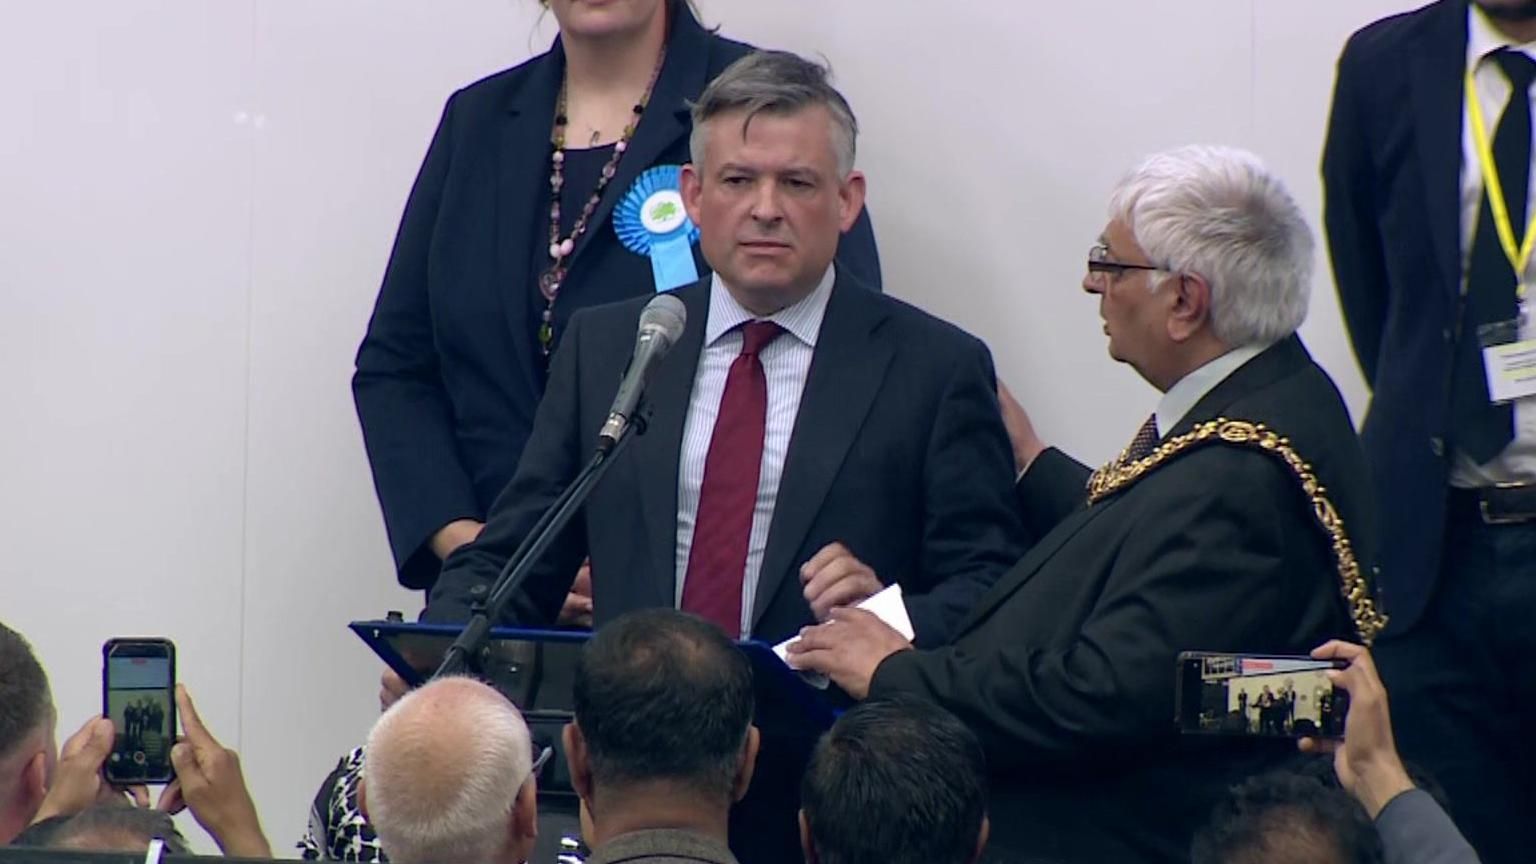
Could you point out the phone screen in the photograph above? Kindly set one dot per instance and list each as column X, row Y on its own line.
column 1259, row 695
column 138, row 681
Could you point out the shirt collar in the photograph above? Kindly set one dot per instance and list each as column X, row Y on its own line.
column 1483, row 39
column 802, row 320
column 1187, row 391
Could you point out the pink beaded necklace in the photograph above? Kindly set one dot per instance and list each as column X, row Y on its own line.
column 560, row 249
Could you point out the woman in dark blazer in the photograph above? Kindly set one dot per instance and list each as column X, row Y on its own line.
column 509, row 229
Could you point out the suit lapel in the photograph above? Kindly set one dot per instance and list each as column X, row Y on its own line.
column 656, row 454
column 846, row 373
column 1438, row 72
column 523, row 165
column 684, row 73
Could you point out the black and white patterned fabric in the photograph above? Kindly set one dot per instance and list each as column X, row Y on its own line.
column 338, row 831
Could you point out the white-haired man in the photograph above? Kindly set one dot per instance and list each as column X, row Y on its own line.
column 449, row 777
column 1204, row 535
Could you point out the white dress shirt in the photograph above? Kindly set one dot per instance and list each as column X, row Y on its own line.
column 786, row 362
column 1185, row 392
column 1517, row 462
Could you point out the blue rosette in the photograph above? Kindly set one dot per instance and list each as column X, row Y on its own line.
column 650, row 221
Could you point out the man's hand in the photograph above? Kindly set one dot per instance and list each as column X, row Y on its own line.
column 453, row 535
column 210, row 784
column 1021, row 432
column 391, row 688
column 77, row 780
column 848, row 649
column 577, row 611
column 833, row 578
column 1366, row 760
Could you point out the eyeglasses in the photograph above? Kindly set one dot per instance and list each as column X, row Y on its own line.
column 1098, row 262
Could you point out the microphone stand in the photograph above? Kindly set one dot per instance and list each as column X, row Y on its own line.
column 464, row 653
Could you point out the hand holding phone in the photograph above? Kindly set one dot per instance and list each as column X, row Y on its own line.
column 1259, row 695
column 1366, row 760
column 138, row 680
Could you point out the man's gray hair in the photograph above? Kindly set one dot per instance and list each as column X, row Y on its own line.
column 776, row 82
column 1219, row 213
column 442, row 769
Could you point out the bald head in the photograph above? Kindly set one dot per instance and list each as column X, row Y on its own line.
column 448, row 776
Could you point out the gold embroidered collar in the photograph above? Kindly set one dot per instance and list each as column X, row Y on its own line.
column 1120, row 474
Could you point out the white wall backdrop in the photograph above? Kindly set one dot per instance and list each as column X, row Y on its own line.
column 197, row 198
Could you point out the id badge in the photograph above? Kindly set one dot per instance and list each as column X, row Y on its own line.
column 1508, row 361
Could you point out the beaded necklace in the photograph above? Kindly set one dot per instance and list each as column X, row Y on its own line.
column 560, row 249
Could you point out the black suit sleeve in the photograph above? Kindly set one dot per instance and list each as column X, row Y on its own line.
column 1350, row 214
column 972, row 531
column 1053, row 487
column 858, row 255
column 405, row 412
column 550, row 462
column 1197, row 569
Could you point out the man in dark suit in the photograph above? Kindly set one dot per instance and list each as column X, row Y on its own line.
column 810, row 441
column 451, row 371
column 1427, row 270
column 1204, row 535
column 877, row 432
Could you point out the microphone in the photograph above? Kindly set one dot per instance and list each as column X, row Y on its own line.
column 661, row 323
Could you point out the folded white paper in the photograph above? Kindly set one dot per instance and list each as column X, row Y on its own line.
column 887, row 605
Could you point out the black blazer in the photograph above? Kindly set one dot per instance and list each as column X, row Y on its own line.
column 898, row 451
column 449, row 375
column 1392, row 188
column 1065, row 668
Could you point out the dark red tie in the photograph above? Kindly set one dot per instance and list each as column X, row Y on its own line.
column 717, row 558
column 1145, row 441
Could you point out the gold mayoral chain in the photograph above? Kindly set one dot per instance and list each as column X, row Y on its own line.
column 1119, row 474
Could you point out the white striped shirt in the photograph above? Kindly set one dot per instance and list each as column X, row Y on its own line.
column 786, row 361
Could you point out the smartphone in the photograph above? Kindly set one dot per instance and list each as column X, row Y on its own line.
column 138, row 693
column 1259, row 695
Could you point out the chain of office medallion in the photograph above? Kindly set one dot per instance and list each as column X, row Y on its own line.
column 1119, row 474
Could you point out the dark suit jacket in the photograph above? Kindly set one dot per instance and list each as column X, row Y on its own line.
column 1391, row 178
column 1066, row 667
column 898, row 451
column 449, row 375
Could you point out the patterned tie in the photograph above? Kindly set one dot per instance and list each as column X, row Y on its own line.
column 717, row 559
column 1145, row 441
column 1480, row 428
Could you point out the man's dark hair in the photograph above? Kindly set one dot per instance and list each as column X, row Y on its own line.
column 26, row 703
column 40, row 834
column 117, row 828
column 663, row 695
column 896, row 781
column 1293, row 816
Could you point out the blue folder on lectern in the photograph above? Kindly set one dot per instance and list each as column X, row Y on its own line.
column 536, row 668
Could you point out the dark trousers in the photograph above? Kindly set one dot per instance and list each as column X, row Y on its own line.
column 1462, row 682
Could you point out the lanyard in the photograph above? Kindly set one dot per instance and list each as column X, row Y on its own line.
column 1519, row 256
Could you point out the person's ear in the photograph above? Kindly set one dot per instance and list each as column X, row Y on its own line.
column 1190, row 306
column 34, row 782
column 747, row 765
column 807, row 848
column 690, row 183
column 982, row 837
column 576, row 760
column 850, row 195
column 523, row 827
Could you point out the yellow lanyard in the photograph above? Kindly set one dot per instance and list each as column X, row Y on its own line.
column 1519, row 256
